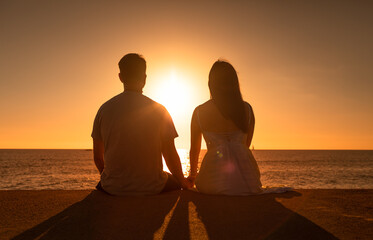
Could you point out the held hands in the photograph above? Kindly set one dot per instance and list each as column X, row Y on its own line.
column 191, row 180
column 186, row 184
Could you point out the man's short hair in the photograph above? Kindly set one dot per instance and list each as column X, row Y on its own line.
column 132, row 66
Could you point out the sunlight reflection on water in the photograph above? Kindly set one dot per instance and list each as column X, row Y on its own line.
column 75, row 169
column 184, row 159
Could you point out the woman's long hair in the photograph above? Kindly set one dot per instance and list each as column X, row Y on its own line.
column 225, row 92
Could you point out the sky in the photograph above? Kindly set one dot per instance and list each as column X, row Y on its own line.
column 304, row 66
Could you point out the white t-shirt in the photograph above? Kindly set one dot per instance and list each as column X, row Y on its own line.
column 133, row 127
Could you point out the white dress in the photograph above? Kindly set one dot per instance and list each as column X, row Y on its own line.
column 229, row 167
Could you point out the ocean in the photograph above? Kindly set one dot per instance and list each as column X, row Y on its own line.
column 75, row 169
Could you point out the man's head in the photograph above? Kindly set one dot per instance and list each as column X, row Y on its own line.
column 132, row 71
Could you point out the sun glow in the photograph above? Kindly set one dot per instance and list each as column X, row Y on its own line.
column 174, row 93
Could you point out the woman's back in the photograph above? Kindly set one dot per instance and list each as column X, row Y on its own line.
column 212, row 120
column 227, row 125
column 228, row 166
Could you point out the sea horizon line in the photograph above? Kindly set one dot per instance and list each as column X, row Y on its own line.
column 259, row 149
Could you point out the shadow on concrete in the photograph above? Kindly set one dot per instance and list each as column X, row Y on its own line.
column 231, row 217
column 178, row 215
column 100, row 216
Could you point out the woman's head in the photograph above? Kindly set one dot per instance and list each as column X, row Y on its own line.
column 225, row 92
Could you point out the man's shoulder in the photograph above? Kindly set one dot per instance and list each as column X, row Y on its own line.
column 139, row 100
column 111, row 100
column 154, row 104
column 108, row 104
column 248, row 105
column 148, row 100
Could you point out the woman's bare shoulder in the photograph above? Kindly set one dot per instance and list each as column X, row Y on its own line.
column 205, row 105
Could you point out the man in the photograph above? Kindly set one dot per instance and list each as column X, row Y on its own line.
column 130, row 134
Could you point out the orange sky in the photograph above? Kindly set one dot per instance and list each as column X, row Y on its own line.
column 304, row 67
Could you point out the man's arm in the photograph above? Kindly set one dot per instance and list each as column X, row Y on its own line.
column 98, row 154
column 173, row 162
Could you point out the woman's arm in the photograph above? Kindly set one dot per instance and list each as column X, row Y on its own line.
column 251, row 126
column 195, row 146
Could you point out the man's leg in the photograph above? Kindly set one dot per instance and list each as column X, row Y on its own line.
column 99, row 187
column 172, row 184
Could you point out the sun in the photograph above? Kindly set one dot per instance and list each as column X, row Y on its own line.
column 174, row 93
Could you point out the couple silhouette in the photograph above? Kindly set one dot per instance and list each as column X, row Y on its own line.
column 131, row 133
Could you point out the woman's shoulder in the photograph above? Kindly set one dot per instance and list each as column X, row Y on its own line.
column 204, row 105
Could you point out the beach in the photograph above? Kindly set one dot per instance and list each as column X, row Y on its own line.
column 87, row 214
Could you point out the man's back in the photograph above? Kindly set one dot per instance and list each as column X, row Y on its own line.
column 132, row 128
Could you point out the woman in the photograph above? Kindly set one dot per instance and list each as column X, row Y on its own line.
column 227, row 125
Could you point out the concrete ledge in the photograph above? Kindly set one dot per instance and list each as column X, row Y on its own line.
column 301, row 214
